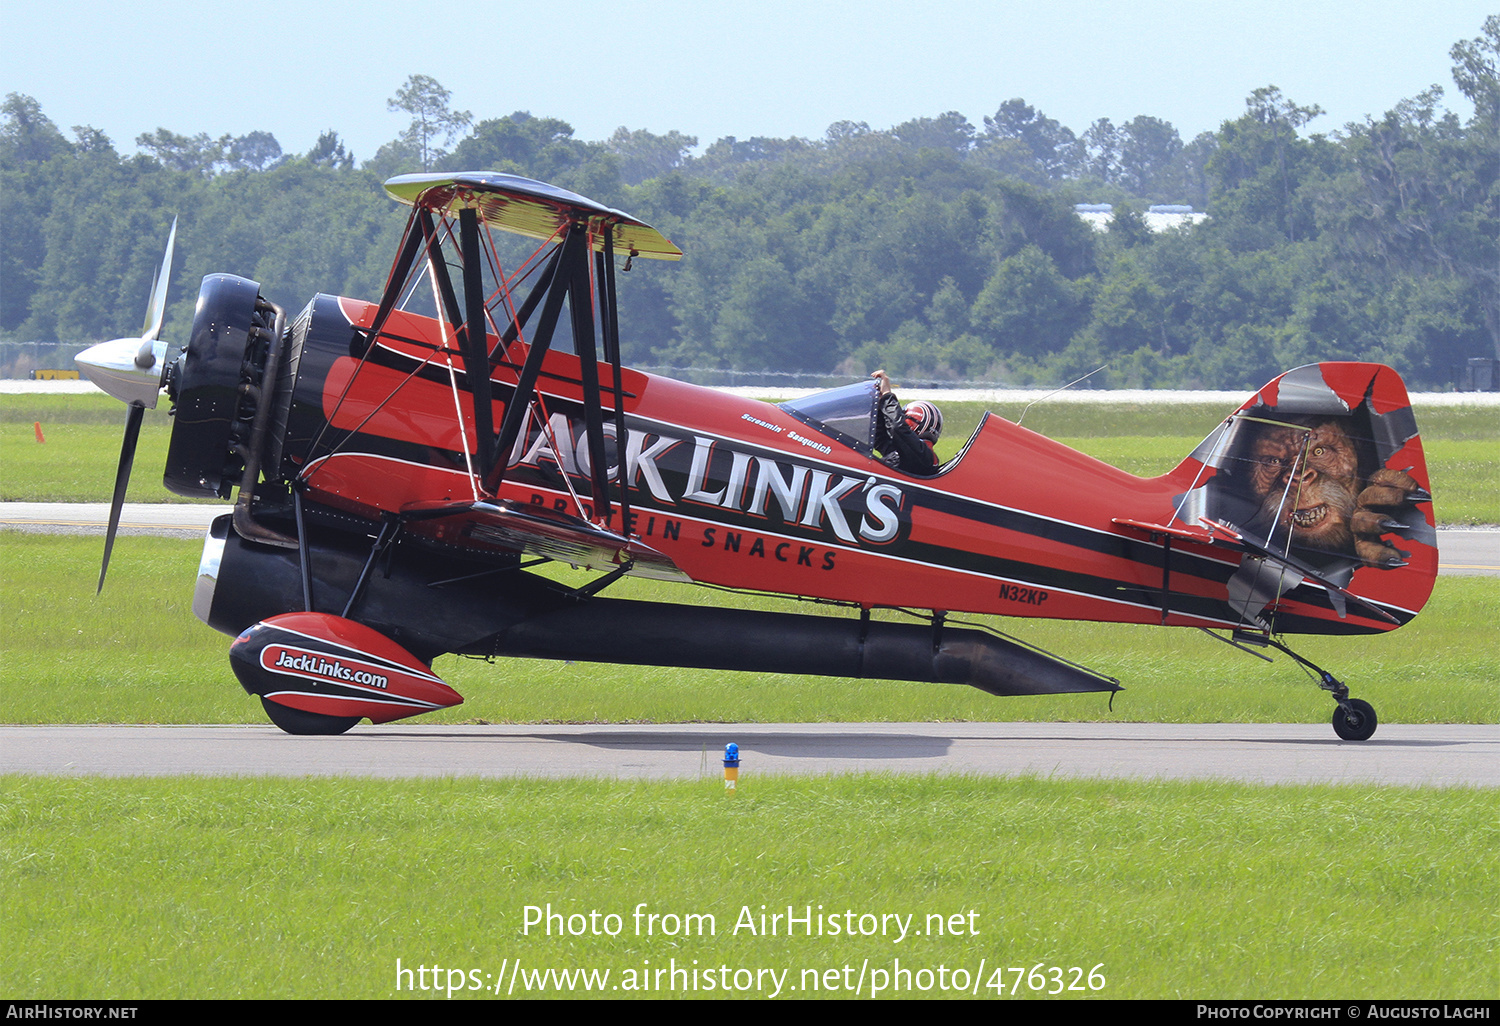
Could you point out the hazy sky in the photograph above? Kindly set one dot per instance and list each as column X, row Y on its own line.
column 297, row 67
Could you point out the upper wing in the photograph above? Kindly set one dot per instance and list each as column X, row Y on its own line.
column 528, row 207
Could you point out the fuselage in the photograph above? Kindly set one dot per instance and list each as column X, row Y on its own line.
column 746, row 495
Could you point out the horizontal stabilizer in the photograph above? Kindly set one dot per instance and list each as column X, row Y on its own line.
column 1334, row 588
column 1209, row 533
column 1212, row 532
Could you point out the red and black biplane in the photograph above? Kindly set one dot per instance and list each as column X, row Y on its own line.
column 403, row 466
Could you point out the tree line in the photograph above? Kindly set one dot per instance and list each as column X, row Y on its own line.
column 936, row 248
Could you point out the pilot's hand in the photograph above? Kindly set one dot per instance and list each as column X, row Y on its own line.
column 884, row 380
column 891, row 413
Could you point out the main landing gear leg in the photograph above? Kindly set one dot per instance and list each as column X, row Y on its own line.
column 1354, row 719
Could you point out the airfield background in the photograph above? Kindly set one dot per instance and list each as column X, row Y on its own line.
column 1377, row 242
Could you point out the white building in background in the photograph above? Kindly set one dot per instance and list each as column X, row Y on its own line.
column 1159, row 218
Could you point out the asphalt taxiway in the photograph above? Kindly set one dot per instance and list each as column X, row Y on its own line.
column 1433, row 755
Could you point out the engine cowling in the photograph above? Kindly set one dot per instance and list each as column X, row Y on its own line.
column 216, row 385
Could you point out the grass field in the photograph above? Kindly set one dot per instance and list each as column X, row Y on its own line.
column 77, row 461
column 315, row 888
column 137, row 654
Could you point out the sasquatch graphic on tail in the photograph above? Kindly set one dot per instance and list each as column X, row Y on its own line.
column 1307, row 479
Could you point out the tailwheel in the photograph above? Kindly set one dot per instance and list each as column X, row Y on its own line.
column 300, row 721
column 1354, row 720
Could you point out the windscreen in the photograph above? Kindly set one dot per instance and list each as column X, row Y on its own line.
column 845, row 414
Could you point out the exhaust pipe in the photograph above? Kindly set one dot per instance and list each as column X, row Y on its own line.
column 652, row 633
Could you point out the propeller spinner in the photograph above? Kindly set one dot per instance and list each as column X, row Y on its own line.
column 131, row 370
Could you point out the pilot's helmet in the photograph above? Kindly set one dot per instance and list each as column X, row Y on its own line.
column 925, row 419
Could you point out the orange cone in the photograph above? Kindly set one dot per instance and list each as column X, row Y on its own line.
column 38, row 426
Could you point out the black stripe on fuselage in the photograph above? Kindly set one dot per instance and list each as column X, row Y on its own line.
column 977, row 511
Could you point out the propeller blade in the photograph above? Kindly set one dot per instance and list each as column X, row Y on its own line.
column 134, row 415
column 156, row 306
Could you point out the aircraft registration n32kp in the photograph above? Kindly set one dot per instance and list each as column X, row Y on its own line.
column 402, row 469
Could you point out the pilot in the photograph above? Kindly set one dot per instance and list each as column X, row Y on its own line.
column 905, row 437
